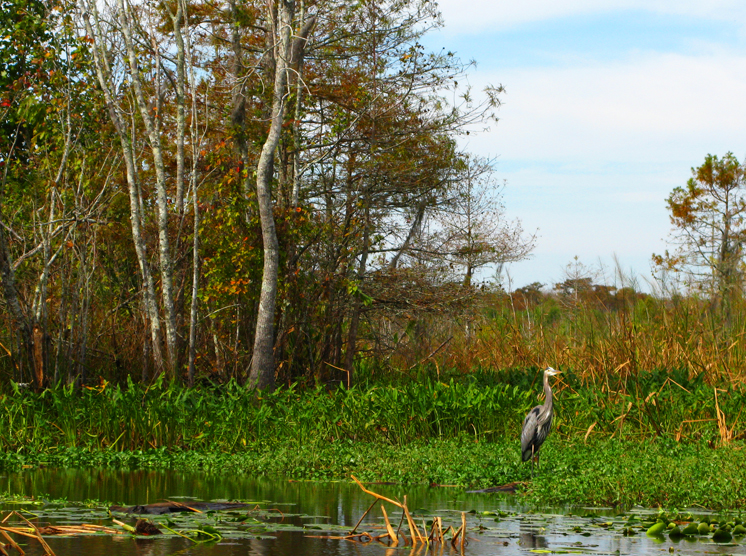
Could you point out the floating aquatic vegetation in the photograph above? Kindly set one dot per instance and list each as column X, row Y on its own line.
column 475, row 532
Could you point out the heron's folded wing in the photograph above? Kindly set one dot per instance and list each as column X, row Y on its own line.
column 528, row 434
column 543, row 430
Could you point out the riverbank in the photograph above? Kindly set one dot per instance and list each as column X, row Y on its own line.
column 660, row 439
column 603, row 472
column 487, row 406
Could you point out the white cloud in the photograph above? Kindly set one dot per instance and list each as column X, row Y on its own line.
column 591, row 152
column 590, row 147
column 480, row 15
column 643, row 110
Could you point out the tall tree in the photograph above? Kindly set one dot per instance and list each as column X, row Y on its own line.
column 46, row 113
column 106, row 63
column 378, row 156
column 141, row 65
column 281, row 19
column 263, row 363
column 709, row 228
column 474, row 229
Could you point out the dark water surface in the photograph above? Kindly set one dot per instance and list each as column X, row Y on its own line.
column 289, row 515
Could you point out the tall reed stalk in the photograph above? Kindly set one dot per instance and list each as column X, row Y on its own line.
column 603, row 343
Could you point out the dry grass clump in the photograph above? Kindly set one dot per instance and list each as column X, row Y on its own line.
column 597, row 339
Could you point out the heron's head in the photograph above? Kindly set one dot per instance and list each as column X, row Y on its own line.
column 549, row 371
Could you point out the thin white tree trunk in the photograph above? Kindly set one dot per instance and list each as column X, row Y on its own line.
column 103, row 72
column 356, row 302
column 164, row 250
column 178, row 20
column 195, row 142
column 262, row 364
column 296, row 61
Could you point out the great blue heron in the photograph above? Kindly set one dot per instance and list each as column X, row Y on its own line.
column 537, row 424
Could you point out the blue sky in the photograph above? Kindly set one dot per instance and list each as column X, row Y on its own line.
column 608, row 107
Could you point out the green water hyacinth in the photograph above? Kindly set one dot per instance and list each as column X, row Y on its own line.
column 675, row 532
column 691, row 529
column 722, row 535
column 657, row 529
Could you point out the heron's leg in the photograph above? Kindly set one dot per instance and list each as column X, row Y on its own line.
column 538, row 463
column 532, row 462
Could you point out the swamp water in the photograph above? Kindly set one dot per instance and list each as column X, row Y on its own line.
column 292, row 518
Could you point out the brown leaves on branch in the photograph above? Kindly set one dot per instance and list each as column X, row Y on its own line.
column 709, row 227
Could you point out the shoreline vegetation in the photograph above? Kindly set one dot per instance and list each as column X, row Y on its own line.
column 604, row 473
column 155, row 234
column 667, row 441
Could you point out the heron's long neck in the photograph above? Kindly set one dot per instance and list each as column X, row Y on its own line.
column 547, row 394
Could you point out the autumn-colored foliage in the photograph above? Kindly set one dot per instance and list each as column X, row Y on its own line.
column 709, row 228
column 132, row 237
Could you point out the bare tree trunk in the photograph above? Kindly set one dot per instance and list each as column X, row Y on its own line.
column 262, row 364
column 195, row 289
column 103, row 72
column 178, row 20
column 62, row 316
column 10, row 291
column 195, row 210
column 296, row 62
column 164, row 250
column 145, row 371
column 357, row 303
column 86, row 269
column 238, row 98
column 413, row 231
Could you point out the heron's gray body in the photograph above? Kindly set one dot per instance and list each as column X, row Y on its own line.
column 537, row 424
column 536, row 427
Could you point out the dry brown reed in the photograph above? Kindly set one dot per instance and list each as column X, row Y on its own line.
column 596, row 342
column 31, row 531
column 397, row 538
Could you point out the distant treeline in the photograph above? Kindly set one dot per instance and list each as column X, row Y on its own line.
column 607, row 334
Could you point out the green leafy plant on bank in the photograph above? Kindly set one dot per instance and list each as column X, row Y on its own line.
column 610, row 472
column 483, row 406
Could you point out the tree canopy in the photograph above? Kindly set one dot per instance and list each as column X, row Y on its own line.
column 709, row 228
column 253, row 190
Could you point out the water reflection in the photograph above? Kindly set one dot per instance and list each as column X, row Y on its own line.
column 336, row 502
column 532, row 537
column 340, row 503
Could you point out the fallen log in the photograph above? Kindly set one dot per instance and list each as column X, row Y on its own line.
column 508, row 488
column 161, row 508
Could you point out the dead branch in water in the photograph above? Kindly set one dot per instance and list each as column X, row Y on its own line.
column 436, row 536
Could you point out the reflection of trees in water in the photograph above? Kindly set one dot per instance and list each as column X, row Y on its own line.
column 337, row 503
column 341, row 503
column 297, row 544
column 115, row 545
column 146, row 547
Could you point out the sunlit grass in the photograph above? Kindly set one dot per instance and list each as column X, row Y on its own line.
column 484, row 406
column 602, row 472
column 605, row 340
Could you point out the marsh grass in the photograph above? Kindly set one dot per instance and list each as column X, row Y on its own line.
column 607, row 337
column 658, row 472
column 484, row 406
